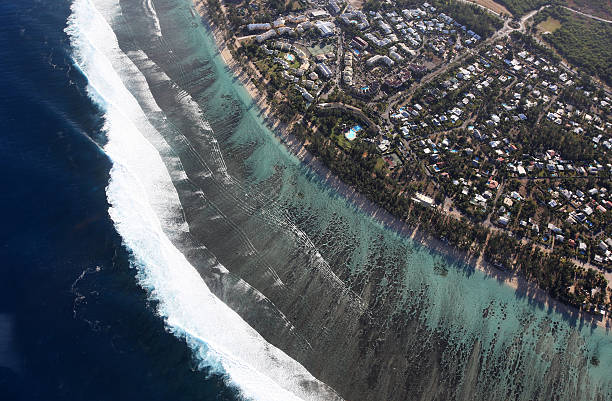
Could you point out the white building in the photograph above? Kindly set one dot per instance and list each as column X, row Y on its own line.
column 259, row 27
column 423, row 200
column 326, row 28
column 378, row 58
column 265, row 36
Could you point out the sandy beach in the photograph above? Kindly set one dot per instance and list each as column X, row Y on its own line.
column 522, row 287
column 236, row 67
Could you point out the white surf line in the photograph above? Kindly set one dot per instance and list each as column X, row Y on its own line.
column 194, row 110
column 184, row 226
column 142, row 196
column 150, row 11
column 227, row 180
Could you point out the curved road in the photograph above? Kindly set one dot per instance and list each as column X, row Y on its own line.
column 588, row 15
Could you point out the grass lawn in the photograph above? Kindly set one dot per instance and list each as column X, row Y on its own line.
column 549, row 25
column 491, row 5
column 316, row 50
column 341, row 140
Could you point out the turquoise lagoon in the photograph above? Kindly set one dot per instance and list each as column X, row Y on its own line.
column 363, row 307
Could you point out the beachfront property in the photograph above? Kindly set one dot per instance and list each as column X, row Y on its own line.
column 424, row 200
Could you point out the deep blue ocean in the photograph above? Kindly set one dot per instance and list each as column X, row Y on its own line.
column 74, row 325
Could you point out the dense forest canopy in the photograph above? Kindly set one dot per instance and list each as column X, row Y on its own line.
column 584, row 42
column 475, row 18
column 598, row 8
column 521, row 7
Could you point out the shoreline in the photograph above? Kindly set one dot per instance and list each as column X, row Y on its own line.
column 523, row 287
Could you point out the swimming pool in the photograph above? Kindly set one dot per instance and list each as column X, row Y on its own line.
column 290, row 57
column 352, row 133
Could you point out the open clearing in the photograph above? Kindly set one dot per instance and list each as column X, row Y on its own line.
column 356, row 3
column 491, row 5
column 549, row 25
column 317, row 49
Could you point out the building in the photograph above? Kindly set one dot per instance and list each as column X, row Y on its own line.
column 385, row 27
column 285, row 30
column 259, row 27
column 356, row 18
column 309, row 98
column 316, row 14
column 423, row 200
column 378, row 42
column 348, row 59
column 302, row 26
column 395, row 56
column 326, row 28
column 278, row 23
column 347, row 75
column 333, row 7
column 359, row 43
column 324, row 70
column 379, row 59
column 265, row 36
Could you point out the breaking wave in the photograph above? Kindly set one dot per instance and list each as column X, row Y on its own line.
column 144, row 205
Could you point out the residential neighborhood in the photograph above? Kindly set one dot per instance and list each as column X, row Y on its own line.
column 459, row 110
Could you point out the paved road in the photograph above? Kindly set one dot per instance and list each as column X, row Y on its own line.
column 339, row 52
column 588, row 15
column 355, row 110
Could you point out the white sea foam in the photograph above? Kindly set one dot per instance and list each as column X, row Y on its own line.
column 150, row 9
column 214, row 165
column 143, row 203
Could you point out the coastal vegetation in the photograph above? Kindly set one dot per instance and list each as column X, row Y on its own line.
column 573, row 146
column 554, row 273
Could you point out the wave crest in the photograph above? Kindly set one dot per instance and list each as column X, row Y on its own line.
column 144, row 203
